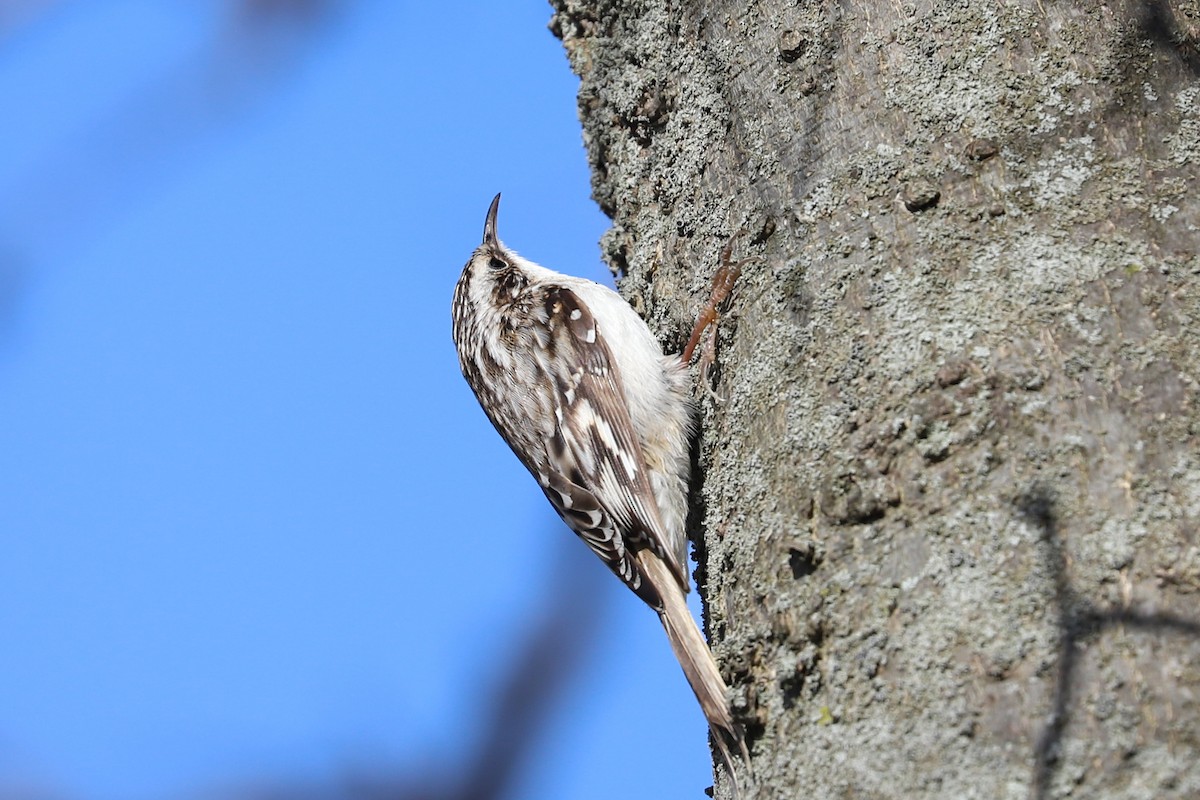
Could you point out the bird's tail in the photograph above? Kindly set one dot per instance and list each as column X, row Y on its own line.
column 694, row 656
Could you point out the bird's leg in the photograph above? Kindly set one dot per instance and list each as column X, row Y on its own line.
column 722, row 286
column 710, row 315
column 708, row 357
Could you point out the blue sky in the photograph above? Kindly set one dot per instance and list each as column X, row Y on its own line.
column 254, row 529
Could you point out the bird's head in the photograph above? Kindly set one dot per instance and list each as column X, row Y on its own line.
column 495, row 273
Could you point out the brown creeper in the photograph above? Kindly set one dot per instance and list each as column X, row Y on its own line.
column 576, row 384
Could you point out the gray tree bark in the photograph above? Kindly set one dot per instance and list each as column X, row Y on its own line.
column 949, row 501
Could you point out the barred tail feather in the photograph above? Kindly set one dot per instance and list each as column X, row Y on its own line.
column 694, row 656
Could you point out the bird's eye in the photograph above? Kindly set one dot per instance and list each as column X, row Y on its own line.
column 496, row 263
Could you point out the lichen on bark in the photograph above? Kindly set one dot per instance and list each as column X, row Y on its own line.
column 951, row 491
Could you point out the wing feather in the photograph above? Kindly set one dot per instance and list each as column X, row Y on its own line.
column 595, row 474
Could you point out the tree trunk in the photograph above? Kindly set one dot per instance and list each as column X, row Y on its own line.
column 950, row 460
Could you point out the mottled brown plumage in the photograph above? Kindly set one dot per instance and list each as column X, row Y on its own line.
column 576, row 384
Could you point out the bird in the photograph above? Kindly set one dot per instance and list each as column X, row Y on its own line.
column 577, row 385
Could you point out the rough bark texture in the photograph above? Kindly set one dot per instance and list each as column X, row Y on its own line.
column 949, row 505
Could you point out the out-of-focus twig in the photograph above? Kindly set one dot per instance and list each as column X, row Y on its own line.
column 529, row 680
column 82, row 178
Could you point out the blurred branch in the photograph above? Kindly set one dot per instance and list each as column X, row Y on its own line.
column 527, row 688
column 536, row 682
column 16, row 13
column 91, row 172
column 529, row 681
column 77, row 184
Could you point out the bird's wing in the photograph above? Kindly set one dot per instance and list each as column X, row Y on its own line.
column 596, row 476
